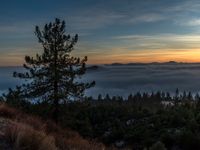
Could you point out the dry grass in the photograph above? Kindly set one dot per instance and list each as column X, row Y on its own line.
column 24, row 137
column 67, row 139
column 8, row 112
column 27, row 132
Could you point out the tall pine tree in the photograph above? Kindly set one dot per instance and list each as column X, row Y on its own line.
column 53, row 74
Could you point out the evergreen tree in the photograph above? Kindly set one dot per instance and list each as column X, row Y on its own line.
column 189, row 96
column 13, row 98
column 162, row 96
column 168, row 97
column 53, row 74
column 197, row 97
column 130, row 97
column 107, row 97
column 99, row 97
column 184, row 96
column 176, row 95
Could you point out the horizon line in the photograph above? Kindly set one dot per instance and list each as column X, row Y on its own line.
column 153, row 62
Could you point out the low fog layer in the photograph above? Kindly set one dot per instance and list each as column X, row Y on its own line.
column 125, row 79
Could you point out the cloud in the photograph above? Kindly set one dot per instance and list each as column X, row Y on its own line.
column 17, row 27
column 190, row 22
column 161, row 41
column 163, row 37
column 186, row 6
column 135, row 12
column 94, row 19
column 184, row 13
column 102, row 19
column 149, row 17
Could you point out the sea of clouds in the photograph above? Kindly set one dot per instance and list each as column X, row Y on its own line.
column 125, row 79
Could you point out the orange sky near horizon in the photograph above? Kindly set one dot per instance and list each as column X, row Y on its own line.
column 147, row 56
column 121, row 56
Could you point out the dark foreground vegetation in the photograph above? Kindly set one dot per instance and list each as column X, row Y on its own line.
column 151, row 121
column 20, row 131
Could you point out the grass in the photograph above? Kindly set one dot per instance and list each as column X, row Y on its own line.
column 24, row 137
column 26, row 132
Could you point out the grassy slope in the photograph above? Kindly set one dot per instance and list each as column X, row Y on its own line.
column 22, row 131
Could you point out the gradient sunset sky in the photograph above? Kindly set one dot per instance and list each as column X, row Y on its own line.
column 109, row 30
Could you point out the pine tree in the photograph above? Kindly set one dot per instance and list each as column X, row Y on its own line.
column 99, row 97
column 53, row 74
column 176, row 95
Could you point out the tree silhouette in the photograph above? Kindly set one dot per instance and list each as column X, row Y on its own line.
column 53, row 75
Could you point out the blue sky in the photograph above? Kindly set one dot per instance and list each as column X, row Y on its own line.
column 109, row 30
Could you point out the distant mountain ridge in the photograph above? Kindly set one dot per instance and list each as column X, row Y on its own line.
column 153, row 63
column 97, row 66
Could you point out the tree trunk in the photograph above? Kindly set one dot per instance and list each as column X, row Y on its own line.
column 56, row 98
column 55, row 103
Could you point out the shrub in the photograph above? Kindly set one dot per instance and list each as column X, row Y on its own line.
column 158, row 146
column 8, row 112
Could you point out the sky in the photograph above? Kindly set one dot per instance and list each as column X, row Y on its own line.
column 109, row 30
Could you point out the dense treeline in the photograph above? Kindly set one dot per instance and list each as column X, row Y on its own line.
column 138, row 122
